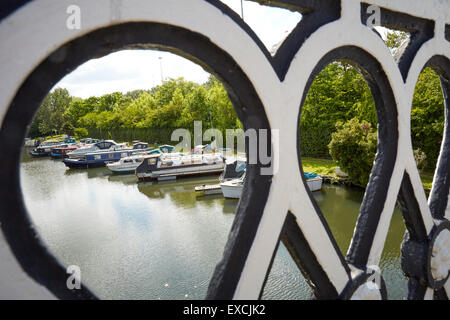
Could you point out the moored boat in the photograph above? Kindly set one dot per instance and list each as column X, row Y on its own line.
column 104, row 145
column 234, row 169
column 233, row 188
column 313, row 180
column 87, row 141
column 45, row 148
column 101, row 158
column 61, row 152
column 129, row 164
column 166, row 166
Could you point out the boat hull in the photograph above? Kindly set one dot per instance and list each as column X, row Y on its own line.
column 181, row 172
column 231, row 191
column 234, row 191
column 121, row 171
column 80, row 164
column 39, row 154
column 56, row 155
column 117, row 168
column 314, row 184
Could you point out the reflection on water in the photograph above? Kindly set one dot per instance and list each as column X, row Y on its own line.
column 159, row 240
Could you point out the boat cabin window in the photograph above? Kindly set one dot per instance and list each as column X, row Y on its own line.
column 140, row 145
column 104, row 145
column 127, row 161
column 151, row 161
column 97, row 157
column 167, row 163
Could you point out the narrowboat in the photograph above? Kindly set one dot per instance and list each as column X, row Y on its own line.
column 168, row 167
column 98, row 146
column 101, row 158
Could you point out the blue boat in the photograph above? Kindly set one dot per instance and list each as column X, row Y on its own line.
column 101, row 158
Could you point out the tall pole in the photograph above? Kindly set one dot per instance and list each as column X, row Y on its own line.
column 160, row 65
column 242, row 10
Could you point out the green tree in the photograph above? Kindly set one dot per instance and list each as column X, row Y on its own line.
column 338, row 93
column 68, row 128
column 50, row 115
column 77, row 109
column 81, row 133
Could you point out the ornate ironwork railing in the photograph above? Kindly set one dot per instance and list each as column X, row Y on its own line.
column 38, row 49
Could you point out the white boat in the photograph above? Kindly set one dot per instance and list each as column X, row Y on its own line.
column 313, row 180
column 129, row 164
column 169, row 166
column 234, row 168
column 314, row 184
column 126, row 164
column 233, row 188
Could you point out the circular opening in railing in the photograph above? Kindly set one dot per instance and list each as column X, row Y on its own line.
column 344, row 140
column 338, row 143
column 427, row 124
column 153, row 239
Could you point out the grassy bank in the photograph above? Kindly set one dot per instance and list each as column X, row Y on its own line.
column 325, row 167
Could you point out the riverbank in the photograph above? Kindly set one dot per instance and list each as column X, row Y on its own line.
column 325, row 168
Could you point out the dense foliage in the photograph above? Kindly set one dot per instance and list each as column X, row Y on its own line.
column 353, row 146
column 339, row 93
column 145, row 115
column 427, row 116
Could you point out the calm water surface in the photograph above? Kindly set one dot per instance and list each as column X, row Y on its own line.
column 160, row 241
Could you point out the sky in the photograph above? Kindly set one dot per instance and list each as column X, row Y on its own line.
column 129, row 70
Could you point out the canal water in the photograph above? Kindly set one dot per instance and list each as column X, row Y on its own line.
column 160, row 241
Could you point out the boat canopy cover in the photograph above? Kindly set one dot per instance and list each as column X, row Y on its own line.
column 154, row 151
column 166, row 148
column 234, row 169
column 310, row 175
column 240, row 166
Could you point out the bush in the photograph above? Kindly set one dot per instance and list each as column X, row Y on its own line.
column 353, row 146
column 421, row 159
column 80, row 133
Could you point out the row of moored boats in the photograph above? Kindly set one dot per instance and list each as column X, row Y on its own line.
column 157, row 163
